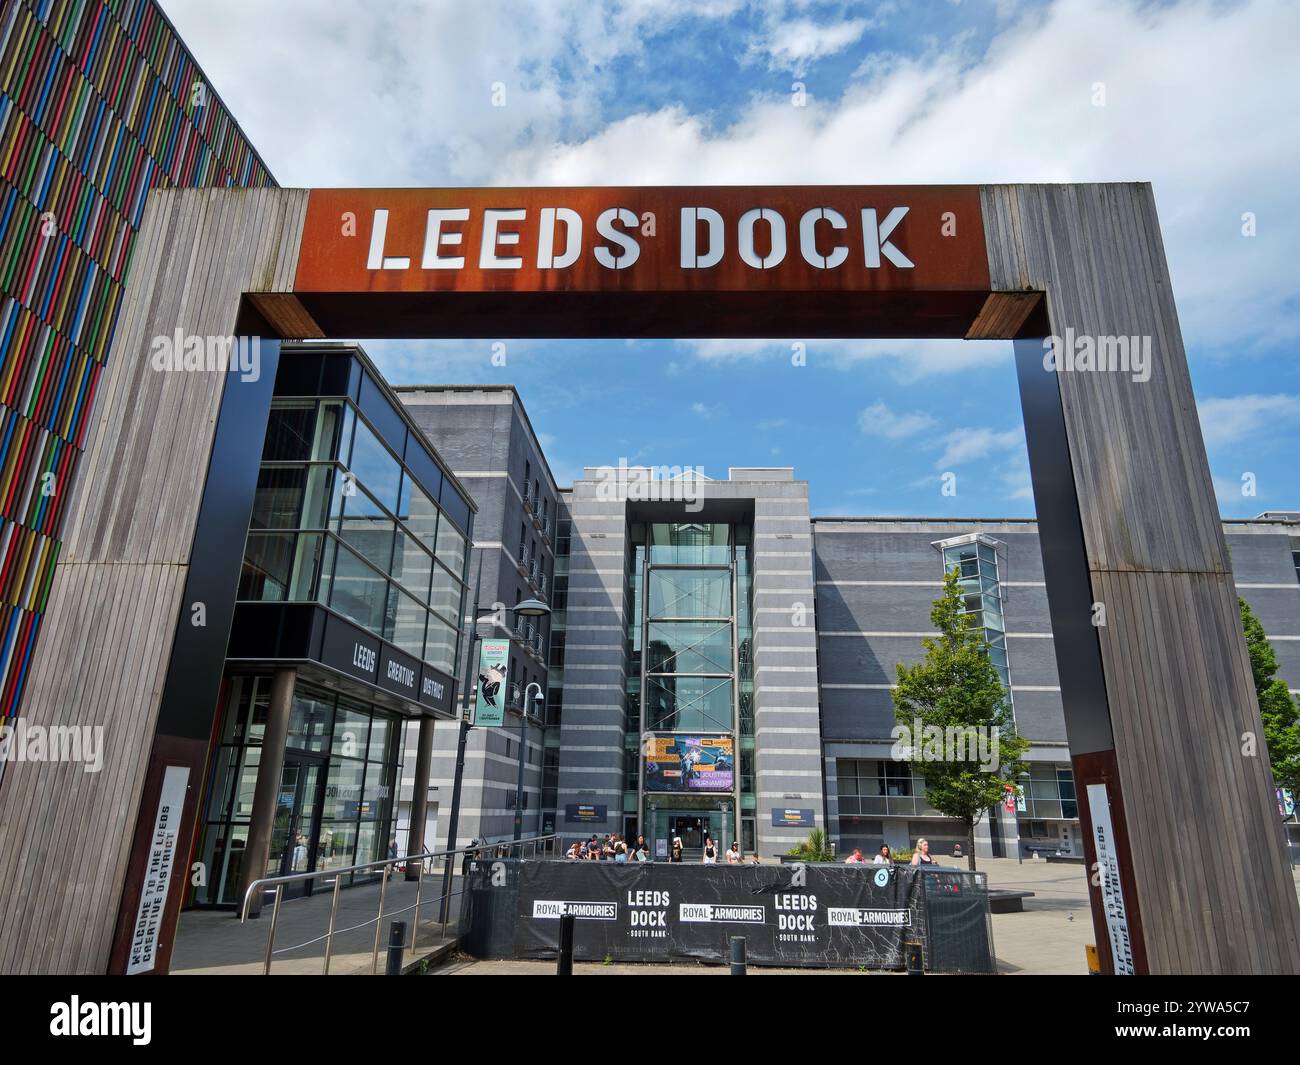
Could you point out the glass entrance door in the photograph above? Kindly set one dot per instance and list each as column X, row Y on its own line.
column 296, row 824
column 693, row 830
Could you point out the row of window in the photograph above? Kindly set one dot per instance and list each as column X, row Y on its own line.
column 878, row 787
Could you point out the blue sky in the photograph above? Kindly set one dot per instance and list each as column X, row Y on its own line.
column 1200, row 98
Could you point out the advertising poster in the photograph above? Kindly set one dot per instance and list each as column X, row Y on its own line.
column 490, row 688
column 585, row 814
column 690, row 763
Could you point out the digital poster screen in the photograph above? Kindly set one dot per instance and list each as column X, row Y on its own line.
column 690, row 763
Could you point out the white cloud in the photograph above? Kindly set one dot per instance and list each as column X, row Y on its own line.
column 879, row 420
column 1023, row 112
column 968, row 445
column 345, row 92
column 792, row 44
column 1229, row 419
column 907, row 360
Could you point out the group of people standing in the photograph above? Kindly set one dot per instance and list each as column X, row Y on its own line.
column 733, row 856
column 614, row 848
column 920, row 856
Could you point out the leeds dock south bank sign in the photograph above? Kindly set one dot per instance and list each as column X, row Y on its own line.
column 717, row 256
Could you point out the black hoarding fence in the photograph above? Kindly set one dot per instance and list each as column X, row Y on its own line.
column 791, row 915
column 487, row 909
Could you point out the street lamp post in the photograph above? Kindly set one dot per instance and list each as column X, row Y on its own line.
column 523, row 755
column 529, row 608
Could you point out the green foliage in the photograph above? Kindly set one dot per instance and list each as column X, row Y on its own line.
column 957, row 686
column 1276, row 707
column 816, row 848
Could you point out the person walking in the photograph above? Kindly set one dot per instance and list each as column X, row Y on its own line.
column 921, row 856
column 710, row 852
column 733, row 855
column 883, row 856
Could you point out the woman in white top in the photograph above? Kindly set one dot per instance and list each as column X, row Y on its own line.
column 733, row 855
column 710, row 852
column 883, row 857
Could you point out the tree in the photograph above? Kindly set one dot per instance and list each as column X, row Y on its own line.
column 1276, row 707
column 955, row 693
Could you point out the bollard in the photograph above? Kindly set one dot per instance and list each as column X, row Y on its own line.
column 565, row 965
column 396, row 945
column 737, row 955
column 912, row 952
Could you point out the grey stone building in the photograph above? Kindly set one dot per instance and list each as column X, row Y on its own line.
column 876, row 580
column 483, row 434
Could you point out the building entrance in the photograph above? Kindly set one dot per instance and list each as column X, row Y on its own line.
column 296, row 827
column 693, row 831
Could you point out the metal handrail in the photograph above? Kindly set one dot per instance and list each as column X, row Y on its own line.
column 501, row 848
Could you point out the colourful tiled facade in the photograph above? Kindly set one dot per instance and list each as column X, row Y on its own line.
column 99, row 102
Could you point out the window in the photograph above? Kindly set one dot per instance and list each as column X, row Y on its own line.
column 365, row 528
column 358, row 592
column 374, row 466
column 281, row 567
column 868, row 787
column 290, row 431
column 412, row 565
column 419, row 513
column 445, row 594
column 440, row 645
column 405, row 620
column 451, row 547
column 1048, row 793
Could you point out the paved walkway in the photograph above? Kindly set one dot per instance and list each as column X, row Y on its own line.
column 213, row 941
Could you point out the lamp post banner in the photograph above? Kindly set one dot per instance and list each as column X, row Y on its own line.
column 809, row 915
column 490, row 687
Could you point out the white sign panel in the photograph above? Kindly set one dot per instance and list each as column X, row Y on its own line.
column 1112, row 891
column 158, row 871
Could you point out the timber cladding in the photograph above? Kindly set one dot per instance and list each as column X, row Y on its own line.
column 1212, row 885
column 116, row 596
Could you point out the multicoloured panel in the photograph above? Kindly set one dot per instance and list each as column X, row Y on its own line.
column 99, row 102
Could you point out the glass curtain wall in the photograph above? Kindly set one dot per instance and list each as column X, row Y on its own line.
column 977, row 573
column 690, row 661
column 335, row 804
column 339, row 520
